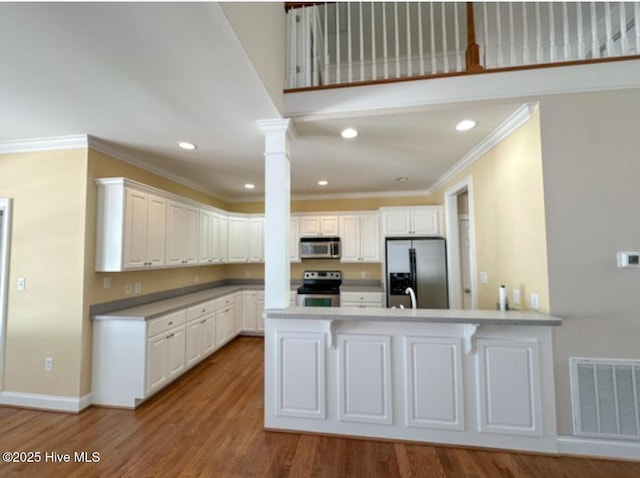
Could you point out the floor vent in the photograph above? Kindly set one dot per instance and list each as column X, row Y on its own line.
column 606, row 398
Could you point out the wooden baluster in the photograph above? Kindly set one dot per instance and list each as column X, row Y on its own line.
column 337, row 43
column 608, row 30
column 361, row 44
column 525, row 35
column 384, row 41
column 512, row 37
column 624, row 45
column 444, row 38
column 349, row 46
column 374, row 62
column 291, row 42
column 485, row 23
column 580, row 30
column 538, row 35
column 456, row 23
column 396, row 37
column 472, row 55
column 499, row 36
column 314, row 36
column 595, row 48
column 420, row 39
column 434, row 67
column 565, row 31
column 409, row 62
column 636, row 19
column 552, row 33
column 326, row 44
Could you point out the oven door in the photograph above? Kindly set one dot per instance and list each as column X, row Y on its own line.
column 318, row 300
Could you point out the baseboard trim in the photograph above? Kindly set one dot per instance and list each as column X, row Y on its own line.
column 624, row 450
column 45, row 402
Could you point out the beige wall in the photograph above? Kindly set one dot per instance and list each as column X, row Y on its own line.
column 47, row 244
column 350, row 271
column 509, row 217
column 591, row 159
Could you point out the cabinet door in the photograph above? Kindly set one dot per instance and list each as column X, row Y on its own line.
column 310, row 226
column 223, row 238
column 224, row 326
column 238, row 239
column 135, row 230
column 249, row 310
column 209, row 335
column 329, row 226
column 294, row 240
column 205, row 246
column 425, row 222
column 176, row 353
column 370, row 238
column 157, row 364
column 260, row 311
column 195, row 341
column 396, row 223
column 237, row 312
column 350, row 239
column 256, row 239
column 156, row 230
column 175, row 235
column 190, row 236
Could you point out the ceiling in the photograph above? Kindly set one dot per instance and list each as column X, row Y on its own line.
column 140, row 77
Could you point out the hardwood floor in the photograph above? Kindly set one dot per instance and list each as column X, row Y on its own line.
column 209, row 424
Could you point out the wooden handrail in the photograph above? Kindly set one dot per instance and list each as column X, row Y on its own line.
column 293, row 5
column 472, row 54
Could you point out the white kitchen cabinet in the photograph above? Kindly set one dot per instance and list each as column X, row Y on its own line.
column 237, row 309
column 207, row 231
column 200, row 331
column 260, row 311
column 414, row 221
column 249, row 319
column 182, row 234
column 165, row 350
column 130, row 227
column 225, row 320
column 360, row 238
column 361, row 299
column 319, row 226
column 256, row 239
column 220, row 248
column 294, row 239
column 238, row 246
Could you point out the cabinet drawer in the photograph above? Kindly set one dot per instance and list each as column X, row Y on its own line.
column 359, row 297
column 166, row 322
column 225, row 302
column 200, row 310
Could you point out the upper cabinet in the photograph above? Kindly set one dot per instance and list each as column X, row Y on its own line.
column 318, row 226
column 294, row 239
column 360, row 238
column 182, row 234
column 246, row 242
column 130, row 227
column 413, row 221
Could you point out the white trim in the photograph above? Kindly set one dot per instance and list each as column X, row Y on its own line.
column 44, row 144
column 5, row 244
column 601, row 448
column 508, row 126
column 358, row 195
column 452, row 232
column 46, row 402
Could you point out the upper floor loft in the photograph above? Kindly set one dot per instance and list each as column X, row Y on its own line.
column 339, row 44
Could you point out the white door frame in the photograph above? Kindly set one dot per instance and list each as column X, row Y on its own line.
column 453, row 240
column 5, row 234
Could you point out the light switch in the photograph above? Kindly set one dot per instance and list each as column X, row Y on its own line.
column 516, row 297
column 22, row 283
column 484, row 277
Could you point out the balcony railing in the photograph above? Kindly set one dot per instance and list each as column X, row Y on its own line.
column 358, row 42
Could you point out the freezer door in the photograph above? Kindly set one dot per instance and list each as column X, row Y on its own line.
column 431, row 274
column 397, row 260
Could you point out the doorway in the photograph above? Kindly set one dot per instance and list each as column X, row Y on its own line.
column 5, row 227
column 461, row 247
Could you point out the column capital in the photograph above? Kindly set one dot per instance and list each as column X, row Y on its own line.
column 278, row 133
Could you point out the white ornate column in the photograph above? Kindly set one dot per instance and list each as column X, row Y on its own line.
column 277, row 275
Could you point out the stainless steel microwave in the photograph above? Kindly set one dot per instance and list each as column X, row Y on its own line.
column 320, row 248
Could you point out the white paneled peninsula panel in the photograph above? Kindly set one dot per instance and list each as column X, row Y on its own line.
column 430, row 379
column 300, row 375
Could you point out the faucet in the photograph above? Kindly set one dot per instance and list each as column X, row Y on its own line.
column 412, row 294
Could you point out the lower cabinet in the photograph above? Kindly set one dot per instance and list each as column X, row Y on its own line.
column 253, row 311
column 225, row 320
column 361, row 299
column 201, row 332
column 165, row 357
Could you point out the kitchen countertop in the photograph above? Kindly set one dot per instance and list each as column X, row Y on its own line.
column 447, row 316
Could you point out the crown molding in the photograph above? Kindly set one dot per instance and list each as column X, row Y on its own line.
column 321, row 197
column 508, row 126
column 44, row 144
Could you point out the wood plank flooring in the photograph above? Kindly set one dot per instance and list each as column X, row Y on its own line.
column 209, row 424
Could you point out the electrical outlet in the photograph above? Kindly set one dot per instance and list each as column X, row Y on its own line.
column 137, row 287
column 516, row 297
column 22, row 283
column 363, row 274
column 535, row 304
column 128, row 288
column 48, row 364
column 106, row 283
column 484, row 277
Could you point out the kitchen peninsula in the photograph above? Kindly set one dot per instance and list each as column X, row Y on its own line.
column 460, row 377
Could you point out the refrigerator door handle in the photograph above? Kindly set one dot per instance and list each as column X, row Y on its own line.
column 414, row 271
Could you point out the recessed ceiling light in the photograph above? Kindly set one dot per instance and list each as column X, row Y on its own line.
column 188, row 146
column 250, row 186
column 401, row 179
column 322, row 182
column 466, row 125
column 349, row 133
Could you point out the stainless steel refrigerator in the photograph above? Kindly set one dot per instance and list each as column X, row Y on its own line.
column 421, row 264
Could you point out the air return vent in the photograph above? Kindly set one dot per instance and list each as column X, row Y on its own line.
column 606, row 398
